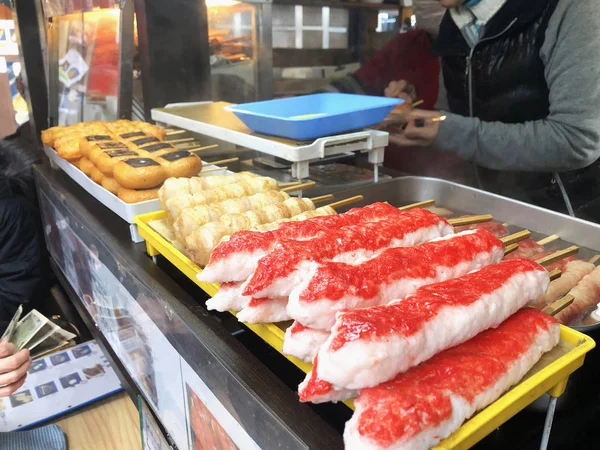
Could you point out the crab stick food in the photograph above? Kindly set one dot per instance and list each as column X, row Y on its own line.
column 372, row 345
column 419, row 408
column 393, row 274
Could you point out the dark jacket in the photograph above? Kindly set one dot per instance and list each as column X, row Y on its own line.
column 23, row 258
column 505, row 79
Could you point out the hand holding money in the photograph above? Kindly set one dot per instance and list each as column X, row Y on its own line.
column 13, row 368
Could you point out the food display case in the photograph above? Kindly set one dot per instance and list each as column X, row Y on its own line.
column 90, row 60
column 240, row 38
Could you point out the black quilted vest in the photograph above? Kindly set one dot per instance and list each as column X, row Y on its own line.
column 505, row 75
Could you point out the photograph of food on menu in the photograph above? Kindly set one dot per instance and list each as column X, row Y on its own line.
column 207, row 433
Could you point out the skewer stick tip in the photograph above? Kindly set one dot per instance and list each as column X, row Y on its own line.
column 555, row 307
column 422, row 204
column 298, row 187
column 554, row 274
column 557, row 256
column 471, row 220
column 595, row 259
column 322, row 198
column 547, row 240
column 516, row 237
column 221, row 161
column 346, row 201
column 510, row 248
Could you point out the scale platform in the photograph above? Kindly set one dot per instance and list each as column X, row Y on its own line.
column 211, row 119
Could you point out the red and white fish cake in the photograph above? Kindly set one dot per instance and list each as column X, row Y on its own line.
column 419, row 408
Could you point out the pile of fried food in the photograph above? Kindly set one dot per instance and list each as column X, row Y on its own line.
column 202, row 211
column 128, row 158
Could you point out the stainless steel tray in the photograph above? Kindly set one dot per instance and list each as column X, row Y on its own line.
column 464, row 199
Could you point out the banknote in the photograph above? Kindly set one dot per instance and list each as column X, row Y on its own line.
column 12, row 325
column 27, row 328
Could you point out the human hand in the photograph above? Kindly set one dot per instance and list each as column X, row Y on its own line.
column 401, row 89
column 420, row 130
column 13, row 368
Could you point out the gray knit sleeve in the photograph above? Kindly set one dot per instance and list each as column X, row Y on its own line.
column 569, row 138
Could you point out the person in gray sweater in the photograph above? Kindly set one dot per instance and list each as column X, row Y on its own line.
column 520, row 89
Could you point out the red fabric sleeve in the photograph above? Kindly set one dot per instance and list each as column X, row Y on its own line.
column 405, row 57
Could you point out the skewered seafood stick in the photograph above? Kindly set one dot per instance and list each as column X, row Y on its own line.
column 392, row 275
column 242, row 188
column 194, row 217
column 306, row 343
column 303, row 342
column 201, row 242
column 290, row 262
column 573, row 274
column 175, row 187
column 403, row 334
column 420, row 408
column 281, row 269
column 586, row 295
column 236, row 259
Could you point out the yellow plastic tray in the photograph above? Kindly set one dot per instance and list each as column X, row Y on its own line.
column 550, row 375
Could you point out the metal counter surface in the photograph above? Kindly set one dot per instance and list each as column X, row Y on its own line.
column 464, row 199
column 173, row 349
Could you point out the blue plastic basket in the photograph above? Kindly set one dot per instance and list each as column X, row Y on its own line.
column 312, row 116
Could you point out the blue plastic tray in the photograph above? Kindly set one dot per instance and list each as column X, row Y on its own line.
column 312, row 116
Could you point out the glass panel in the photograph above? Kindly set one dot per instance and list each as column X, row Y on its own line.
column 312, row 16
column 283, row 16
column 233, row 68
column 88, row 66
column 338, row 18
column 338, row 40
column 312, row 39
column 284, row 39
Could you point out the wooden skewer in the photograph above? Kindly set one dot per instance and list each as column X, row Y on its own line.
column 346, row 201
column 322, row 198
column 510, row 248
column 417, row 103
column 422, row 204
column 221, row 161
column 460, row 221
column 298, row 187
column 202, row 148
column 172, row 132
column 289, row 183
column 516, row 237
column 555, row 307
column 177, row 141
column 554, row 274
column 548, row 239
column 185, row 145
column 594, row 259
column 213, row 169
column 557, row 256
